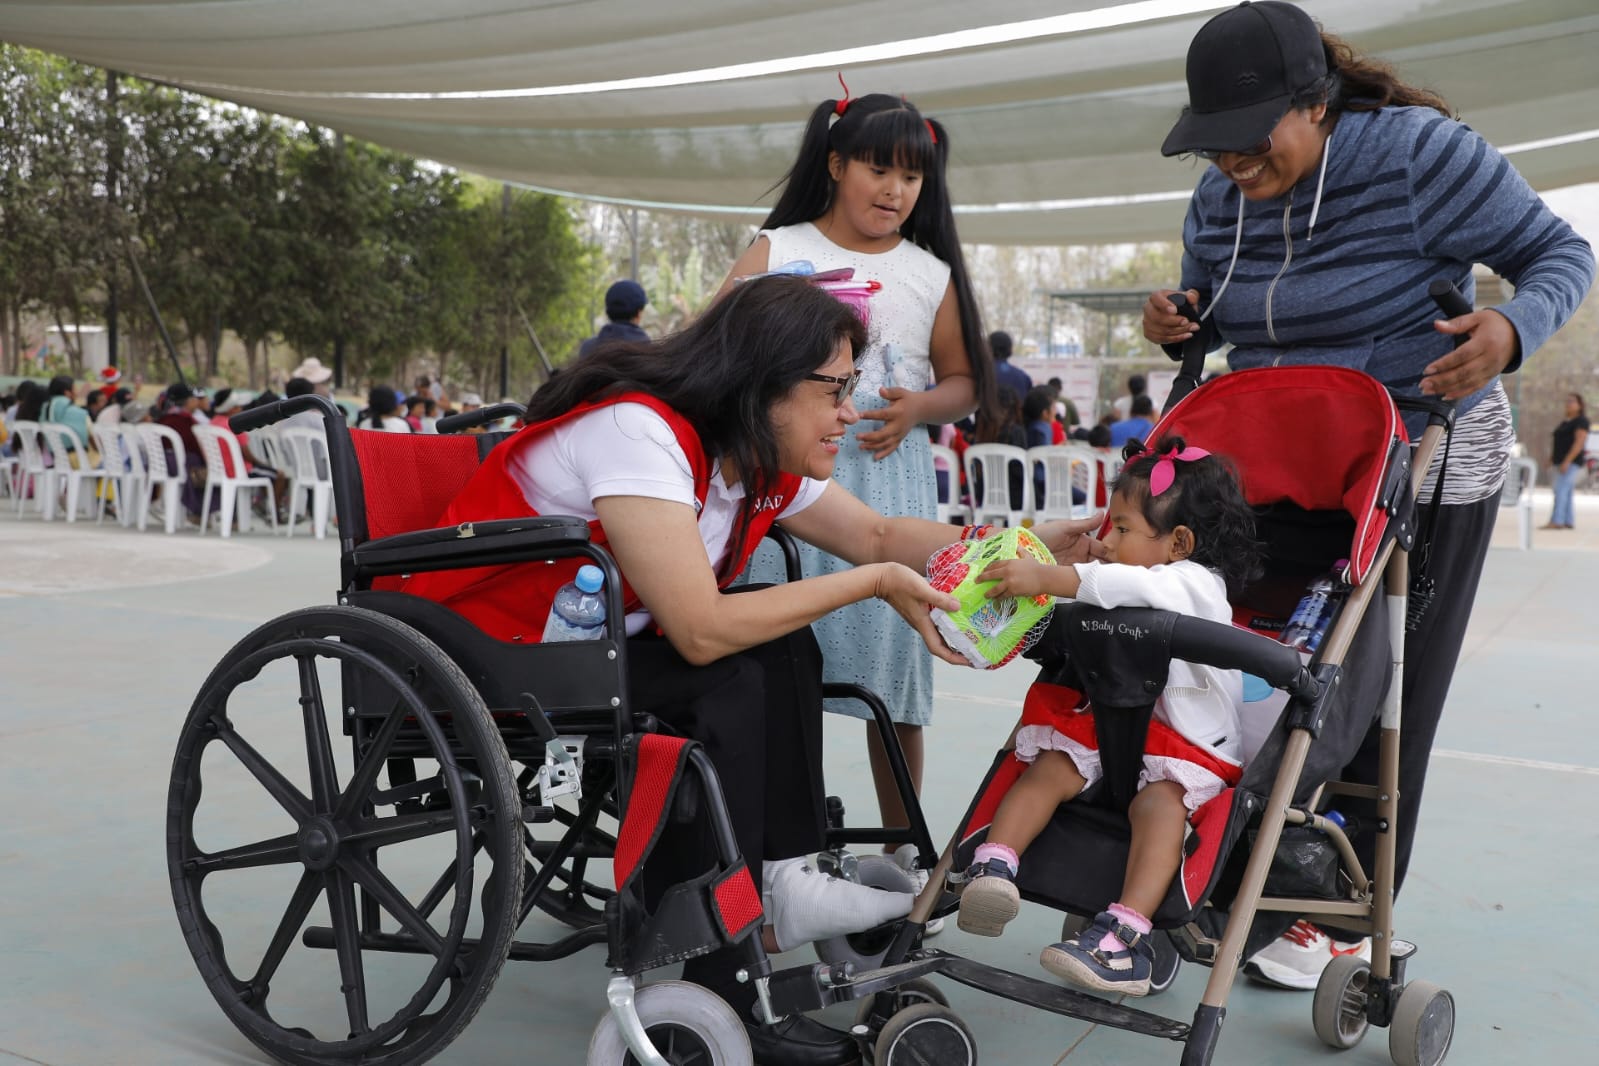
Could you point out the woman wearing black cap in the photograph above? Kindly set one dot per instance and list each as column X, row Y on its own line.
column 1336, row 195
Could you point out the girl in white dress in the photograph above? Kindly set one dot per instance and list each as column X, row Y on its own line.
column 867, row 191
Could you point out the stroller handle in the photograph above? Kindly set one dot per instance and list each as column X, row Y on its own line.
column 1231, row 648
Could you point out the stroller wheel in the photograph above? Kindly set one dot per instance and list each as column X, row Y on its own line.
column 686, row 1023
column 1339, row 1010
column 1423, row 1025
column 927, row 1032
column 1167, row 961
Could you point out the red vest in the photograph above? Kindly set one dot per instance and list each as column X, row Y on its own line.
column 511, row 602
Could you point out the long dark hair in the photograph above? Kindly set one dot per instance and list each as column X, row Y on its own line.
column 1357, row 82
column 888, row 131
column 1205, row 495
column 30, row 401
column 722, row 373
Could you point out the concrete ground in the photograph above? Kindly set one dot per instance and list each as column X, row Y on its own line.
column 109, row 633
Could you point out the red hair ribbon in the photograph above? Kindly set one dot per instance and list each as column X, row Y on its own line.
column 1164, row 473
column 838, row 108
column 930, row 132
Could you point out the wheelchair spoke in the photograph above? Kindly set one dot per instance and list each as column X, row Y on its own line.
column 305, row 894
column 366, row 774
column 318, row 747
column 347, row 940
column 281, row 788
column 392, row 900
column 383, row 832
column 272, row 852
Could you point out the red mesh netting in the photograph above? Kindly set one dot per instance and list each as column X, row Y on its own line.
column 737, row 902
column 657, row 766
column 410, row 478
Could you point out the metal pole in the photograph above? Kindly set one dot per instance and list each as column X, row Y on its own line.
column 113, row 175
column 633, row 229
column 338, row 310
column 505, row 280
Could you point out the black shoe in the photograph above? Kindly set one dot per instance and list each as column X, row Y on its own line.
column 799, row 1041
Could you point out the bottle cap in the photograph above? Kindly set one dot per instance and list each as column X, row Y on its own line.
column 589, row 579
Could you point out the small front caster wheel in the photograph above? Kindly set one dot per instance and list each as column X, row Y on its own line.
column 1423, row 1025
column 1339, row 1010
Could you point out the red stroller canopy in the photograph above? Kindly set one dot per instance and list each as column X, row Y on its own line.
column 1316, row 436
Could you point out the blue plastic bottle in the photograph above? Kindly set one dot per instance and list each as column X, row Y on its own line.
column 578, row 612
column 1309, row 622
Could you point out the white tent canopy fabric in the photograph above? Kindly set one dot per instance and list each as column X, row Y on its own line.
column 1056, row 109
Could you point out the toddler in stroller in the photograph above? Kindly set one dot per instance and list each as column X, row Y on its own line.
column 1181, row 538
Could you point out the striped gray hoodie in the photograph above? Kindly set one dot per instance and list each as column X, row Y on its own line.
column 1409, row 196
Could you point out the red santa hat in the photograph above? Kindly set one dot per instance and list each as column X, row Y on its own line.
column 110, row 375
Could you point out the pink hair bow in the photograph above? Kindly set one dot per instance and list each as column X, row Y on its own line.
column 1164, row 473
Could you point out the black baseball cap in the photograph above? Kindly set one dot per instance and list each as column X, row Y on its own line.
column 1244, row 67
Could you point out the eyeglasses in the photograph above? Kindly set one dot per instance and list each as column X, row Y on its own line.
column 846, row 386
column 1215, row 153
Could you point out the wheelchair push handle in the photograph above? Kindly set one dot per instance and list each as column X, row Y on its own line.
column 1192, row 353
column 482, row 416
column 278, row 410
column 1449, row 300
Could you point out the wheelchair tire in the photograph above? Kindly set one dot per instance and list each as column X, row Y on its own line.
column 689, row 1026
column 876, row 1010
column 926, row 1033
column 381, row 996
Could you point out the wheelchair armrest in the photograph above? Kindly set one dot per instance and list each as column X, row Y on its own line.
column 505, row 540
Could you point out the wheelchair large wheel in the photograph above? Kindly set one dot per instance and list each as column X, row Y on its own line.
column 689, row 1026
column 317, row 951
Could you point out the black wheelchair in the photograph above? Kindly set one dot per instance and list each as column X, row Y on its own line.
column 477, row 784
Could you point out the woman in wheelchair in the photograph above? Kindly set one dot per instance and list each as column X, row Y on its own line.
column 681, row 454
column 1182, row 536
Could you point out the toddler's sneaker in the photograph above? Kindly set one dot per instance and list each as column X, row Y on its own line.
column 1125, row 971
column 1296, row 959
column 989, row 901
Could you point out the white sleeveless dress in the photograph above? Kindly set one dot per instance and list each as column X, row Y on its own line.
column 867, row 643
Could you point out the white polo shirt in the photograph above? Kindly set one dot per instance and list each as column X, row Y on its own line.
column 627, row 449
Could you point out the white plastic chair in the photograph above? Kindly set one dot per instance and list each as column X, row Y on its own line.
column 994, row 460
column 310, row 473
column 1068, row 470
column 72, row 468
column 122, row 476
column 133, row 497
column 166, row 465
column 950, row 504
column 31, row 473
column 1517, row 493
column 232, row 491
column 268, row 447
column 8, row 472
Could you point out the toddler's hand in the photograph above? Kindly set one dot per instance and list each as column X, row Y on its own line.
column 1016, row 577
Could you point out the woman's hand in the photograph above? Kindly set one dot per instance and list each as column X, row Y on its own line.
column 910, row 595
column 1162, row 323
column 1491, row 345
column 898, row 418
column 1070, row 540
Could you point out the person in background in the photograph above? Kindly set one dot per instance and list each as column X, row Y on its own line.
column 107, row 380
column 1137, row 386
column 1339, row 192
column 1566, row 455
column 111, row 413
column 1005, row 372
column 59, row 408
column 1135, row 426
column 383, row 412
column 1065, row 411
column 93, row 403
column 625, row 301
column 415, row 406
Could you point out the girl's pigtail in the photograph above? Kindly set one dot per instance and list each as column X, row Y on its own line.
column 807, row 187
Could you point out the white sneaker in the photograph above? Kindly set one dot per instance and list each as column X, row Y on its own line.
column 804, row 905
column 1296, row 959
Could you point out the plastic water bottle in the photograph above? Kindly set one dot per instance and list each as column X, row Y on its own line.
column 578, row 612
column 1309, row 622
